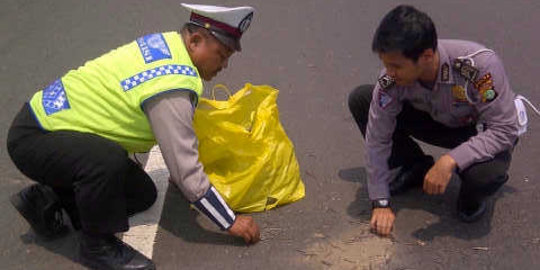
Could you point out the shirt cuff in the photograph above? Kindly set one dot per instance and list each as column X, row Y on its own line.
column 462, row 157
column 214, row 207
column 379, row 191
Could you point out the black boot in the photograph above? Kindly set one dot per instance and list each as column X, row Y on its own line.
column 411, row 176
column 105, row 251
column 40, row 206
column 471, row 210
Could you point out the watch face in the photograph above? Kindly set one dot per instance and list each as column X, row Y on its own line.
column 380, row 203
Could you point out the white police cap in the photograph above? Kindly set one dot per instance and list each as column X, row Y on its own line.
column 226, row 24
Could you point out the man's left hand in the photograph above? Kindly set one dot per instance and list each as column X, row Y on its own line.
column 438, row 177
column 245, row 227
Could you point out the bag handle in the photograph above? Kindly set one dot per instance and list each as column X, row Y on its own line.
column 222, row 87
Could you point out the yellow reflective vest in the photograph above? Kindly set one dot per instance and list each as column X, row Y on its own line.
column 105, row 96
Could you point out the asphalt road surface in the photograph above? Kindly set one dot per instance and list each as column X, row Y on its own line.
column 314, row 52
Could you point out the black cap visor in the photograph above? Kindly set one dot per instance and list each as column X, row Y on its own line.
column 225, row 39
column 231, row 42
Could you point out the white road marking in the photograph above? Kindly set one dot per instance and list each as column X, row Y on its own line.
column 143, row 226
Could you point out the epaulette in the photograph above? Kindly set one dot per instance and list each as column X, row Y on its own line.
column 466, row 69
column 386, row 82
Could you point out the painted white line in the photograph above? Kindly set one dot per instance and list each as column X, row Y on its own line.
column 143, row 226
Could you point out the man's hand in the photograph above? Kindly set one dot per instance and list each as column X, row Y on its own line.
column 245, row 227
column 437, row 178
column 382, row 221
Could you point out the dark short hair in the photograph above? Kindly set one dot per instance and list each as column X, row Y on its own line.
column 192, row 28
column 407, row 30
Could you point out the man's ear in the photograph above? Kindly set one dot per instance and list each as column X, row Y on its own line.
column 428, row 55
column 194, row 40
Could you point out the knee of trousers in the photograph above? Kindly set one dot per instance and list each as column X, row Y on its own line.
column 148, row 197
column 360, row 98
column 495, row 184
column 483, row 184
column 143, row 201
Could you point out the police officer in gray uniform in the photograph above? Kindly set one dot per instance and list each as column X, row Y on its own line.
column 450, row 93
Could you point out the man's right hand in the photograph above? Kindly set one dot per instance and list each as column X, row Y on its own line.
column 382, row 220
column 245, row 227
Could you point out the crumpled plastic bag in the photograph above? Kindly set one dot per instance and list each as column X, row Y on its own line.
column 245, row 150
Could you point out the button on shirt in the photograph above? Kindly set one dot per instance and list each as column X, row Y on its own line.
column 455, row 102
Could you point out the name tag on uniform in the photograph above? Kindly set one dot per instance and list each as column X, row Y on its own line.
column 153, row 48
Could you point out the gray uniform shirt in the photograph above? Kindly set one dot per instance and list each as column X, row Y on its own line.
column 171, row 118
column 453, row 101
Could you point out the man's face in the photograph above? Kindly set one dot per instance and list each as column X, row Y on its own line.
column 404, row 70
column 210, row 56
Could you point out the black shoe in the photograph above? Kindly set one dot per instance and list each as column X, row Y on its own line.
column 40, row 206
column 411, row 177
column 109, row 252
column 471, row 211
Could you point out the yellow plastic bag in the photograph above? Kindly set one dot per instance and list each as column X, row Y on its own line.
column 245, row 151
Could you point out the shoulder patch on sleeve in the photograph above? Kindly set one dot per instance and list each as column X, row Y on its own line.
column 485, row 88
column 153, row 48
column 386, row 81
column 485, row 81
column 55, row 98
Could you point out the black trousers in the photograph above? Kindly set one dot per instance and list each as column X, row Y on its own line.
column 98, row 185
column 478, row 180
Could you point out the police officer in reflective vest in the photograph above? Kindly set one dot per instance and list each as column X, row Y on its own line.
column 450, row 93
column 73, row 137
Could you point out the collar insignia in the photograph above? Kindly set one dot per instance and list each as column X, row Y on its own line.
column 386, row 82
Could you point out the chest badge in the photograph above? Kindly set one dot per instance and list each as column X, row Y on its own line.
column 458, row 92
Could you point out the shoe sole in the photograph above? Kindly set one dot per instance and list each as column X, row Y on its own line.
column 99, row 266
column 92, row 264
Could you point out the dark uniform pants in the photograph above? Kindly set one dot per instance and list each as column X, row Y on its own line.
column 478, row 180
column 98, row 185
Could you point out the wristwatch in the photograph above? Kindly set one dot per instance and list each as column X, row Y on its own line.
column 380, row 203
